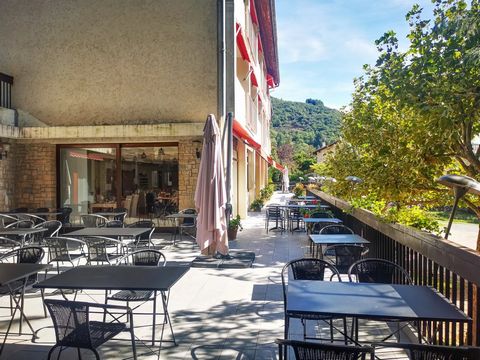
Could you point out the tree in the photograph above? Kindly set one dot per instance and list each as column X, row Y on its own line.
column 415, row 113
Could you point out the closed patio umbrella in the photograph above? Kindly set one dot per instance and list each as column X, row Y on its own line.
column 210, row 194
column 285, row 180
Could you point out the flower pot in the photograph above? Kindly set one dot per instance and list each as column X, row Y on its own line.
column 232, row 233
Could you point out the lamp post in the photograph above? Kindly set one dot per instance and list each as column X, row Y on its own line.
column 461, row 185
column 354, row 180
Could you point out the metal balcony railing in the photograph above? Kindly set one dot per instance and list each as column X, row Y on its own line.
column 449, row 268
column 6, row 82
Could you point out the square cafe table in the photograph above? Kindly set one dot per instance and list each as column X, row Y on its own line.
column 371, row 301
column 14, row 277
column 109, row 232
column 317, row 240
column 134, row 278
column 310, row 221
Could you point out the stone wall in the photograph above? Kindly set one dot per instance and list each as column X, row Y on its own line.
column 187, row 173
column 7, row 179
column 35, row 178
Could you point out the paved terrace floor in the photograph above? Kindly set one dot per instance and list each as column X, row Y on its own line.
column 216, row 313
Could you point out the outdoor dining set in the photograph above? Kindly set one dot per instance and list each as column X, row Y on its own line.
column 118, row 258
column 340, row 285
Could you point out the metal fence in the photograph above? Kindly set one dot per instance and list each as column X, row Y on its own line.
column 451, row 269
column 6, row 82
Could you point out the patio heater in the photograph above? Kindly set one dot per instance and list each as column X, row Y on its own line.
column 461, row 185
column 354, row 180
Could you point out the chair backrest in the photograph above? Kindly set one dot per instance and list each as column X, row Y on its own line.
column 64, row 217
column 29, row 255
column 120, row 217
column 97, row 248
column 188, row 221
column 274, row 211
column 143, row 224
column 304, row 350
column 19, row 210
column 21, row 224
column 59, row 247
column 306, row 269
column 93, row 220
column 336, row 229
column 145, row 257
column 320, row 214
column 435, row 352
column 8, row 243
column 114, row 224
column 7, row 219
column 378, row 271
column 345, row 255
column 52, row 226
column 71, row 322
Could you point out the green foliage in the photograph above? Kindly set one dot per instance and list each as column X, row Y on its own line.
column 298, row 129
column 267, row 192
column 235, row 223
column 299, row 190
column 256, row 205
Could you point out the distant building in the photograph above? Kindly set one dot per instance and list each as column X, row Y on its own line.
column 324, row 150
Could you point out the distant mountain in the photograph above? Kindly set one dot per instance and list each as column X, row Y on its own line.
column 300, row 123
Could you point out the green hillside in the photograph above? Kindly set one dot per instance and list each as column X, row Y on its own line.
column 300, row 128
column 309, row 123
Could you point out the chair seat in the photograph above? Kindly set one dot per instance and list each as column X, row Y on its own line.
column 132, row 295
column 16, row 286
column 67, row 257
column 104, row 258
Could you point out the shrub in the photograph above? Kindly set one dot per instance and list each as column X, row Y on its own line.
column 299, row 189
column 256, row 205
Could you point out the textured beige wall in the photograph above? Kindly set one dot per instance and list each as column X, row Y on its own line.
column 83, row 62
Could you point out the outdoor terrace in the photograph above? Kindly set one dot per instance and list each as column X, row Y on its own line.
column 216, row 313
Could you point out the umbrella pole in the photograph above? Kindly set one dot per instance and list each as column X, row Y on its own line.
column 228, row 175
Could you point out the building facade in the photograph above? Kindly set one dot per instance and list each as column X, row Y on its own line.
column 105, row 101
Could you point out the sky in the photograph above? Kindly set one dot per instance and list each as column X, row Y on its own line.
column 323, row 44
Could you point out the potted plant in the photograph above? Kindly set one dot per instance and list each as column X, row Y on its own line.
column 233, row 226
column 256, row 205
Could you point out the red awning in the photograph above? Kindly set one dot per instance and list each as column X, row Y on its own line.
column 275, row 164
column 253, row 77
column 79, row 155
column 253, row 12
column 241, row 43
column 242, row 133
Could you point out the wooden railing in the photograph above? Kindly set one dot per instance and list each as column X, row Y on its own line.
column 6, row 82
column 453, row 270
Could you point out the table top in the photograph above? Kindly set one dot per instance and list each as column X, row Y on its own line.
column 306, row 197
column 116, row 278
column 13, row 272
column 21, row 231
column 370, row 301
column 105, row 231
column 322, row 220
column 334, row 239
column 308, row 206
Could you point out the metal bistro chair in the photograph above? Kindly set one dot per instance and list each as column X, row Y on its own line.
column 64, row 217
column 99, row 249
column 331, row 229
column 317, row 351
column 53, row 228
column 93, row 220
column 435, row 352
column 275, row 214
column 316, row 228
column 8, row 244
column 343, row 255
column 295, row 216
column 186, row 225
column 75, row 328
column 308, row 269
column 21, row 224
column 122, row 214
column 382, row 272
column 146, row 257
column 114, row 224
column 23, row 255
column 145, row 238
column 62, row 249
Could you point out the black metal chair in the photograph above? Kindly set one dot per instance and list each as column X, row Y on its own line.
column 308, row 269
column 7, row 219
column 114, row 224
column 64, row 249
column 75, row 328
column 19, row 210
column 53, row 228
column 23, row 255
column 93, row 220
column 64, row 217
column 378, row 271
column 99, row 249
column 120, row 217
column 145, row 238
column 294, row 215
column 186, row 225
column 146, row 257
column 344, row 255
column 21, row 224
column 274, row 213
column 336, row 229
column 317, row 351
column 435, row 352
column 8, row 244
column 383, row 272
